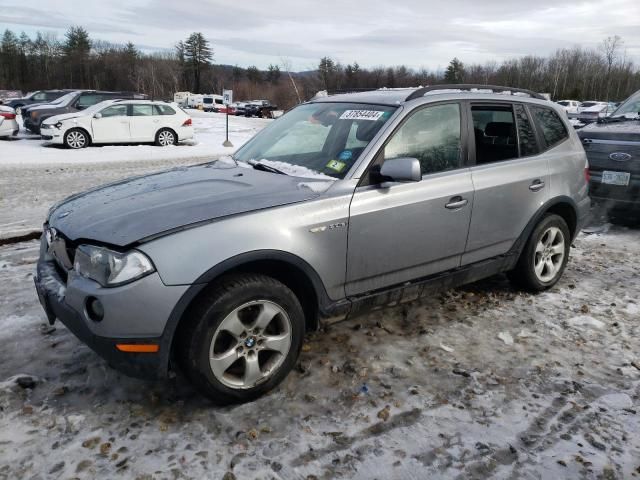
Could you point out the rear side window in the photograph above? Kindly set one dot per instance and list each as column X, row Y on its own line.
column 163, row 110
column 526, row 135
column 141, row 110
column 494, row 129
column 86, row 100
column 550, row 124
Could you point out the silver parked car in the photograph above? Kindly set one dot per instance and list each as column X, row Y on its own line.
column 346, row 203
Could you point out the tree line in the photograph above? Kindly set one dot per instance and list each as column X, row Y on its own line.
column 79, row 61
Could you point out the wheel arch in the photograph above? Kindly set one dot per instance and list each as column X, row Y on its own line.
column 285, row 267
column 563, row 206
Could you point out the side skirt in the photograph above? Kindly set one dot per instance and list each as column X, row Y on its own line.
column 416, row 289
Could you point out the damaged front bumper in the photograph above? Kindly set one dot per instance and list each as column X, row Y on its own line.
column 134, row 314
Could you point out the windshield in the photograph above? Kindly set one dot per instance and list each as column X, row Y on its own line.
column 588, row 104
column 97, row 107
column 630, row 105
column 564, row 103
column 326, row 138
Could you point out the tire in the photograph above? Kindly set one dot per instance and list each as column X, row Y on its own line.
column 544, row 256
column 76, row 138
column 221, row 325
column 166, row 137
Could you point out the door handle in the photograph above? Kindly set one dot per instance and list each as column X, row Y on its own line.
column 536, row 186
column 456, row 202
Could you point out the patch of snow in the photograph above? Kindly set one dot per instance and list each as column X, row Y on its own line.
column 317, row 187
column 446, row 348
column 616, row 400
column 296, row 170
column 585, row 321
column 506, row 338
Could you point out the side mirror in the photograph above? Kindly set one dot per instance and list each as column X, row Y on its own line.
column 97, row 115
column 403, row 169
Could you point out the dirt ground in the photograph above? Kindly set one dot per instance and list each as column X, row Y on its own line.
column 479, row 382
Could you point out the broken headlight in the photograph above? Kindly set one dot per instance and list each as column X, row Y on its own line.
column 110, row 268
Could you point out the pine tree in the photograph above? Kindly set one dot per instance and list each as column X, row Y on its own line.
column 197, row 55
column 77, row 48
column 454, row 72
column 273, row 74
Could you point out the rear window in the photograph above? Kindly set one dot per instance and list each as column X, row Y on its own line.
column 163, row 110
column 550, row 125
column 207, row 100
column 588, row 104
column 564, row 104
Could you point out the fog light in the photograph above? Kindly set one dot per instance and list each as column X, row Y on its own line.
column 95, row 310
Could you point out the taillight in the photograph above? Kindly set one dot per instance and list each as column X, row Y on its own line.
column 587, row 175
column 7, row 115
column 187, row 123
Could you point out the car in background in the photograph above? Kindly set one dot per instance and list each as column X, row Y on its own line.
column 613, row 149
column 212, row 103
column 39, row 96
column 238, row 108
column 569, row 106
column 259, row 108
column 120, row 121
column 8, row 125
column 75, row 102
column 592, row 113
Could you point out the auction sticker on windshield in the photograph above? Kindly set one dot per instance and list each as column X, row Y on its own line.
column 616, row 178
column 361, row 115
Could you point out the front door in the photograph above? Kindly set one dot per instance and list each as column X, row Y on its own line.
column 112, row 126
column 511, row 178
column 404, row 231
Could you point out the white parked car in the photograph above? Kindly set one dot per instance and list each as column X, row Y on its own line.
column 569, row 106
column 119, row 121
column 8, row 124
column 591, row 111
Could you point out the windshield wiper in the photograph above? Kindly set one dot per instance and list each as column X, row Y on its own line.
column 265, row 168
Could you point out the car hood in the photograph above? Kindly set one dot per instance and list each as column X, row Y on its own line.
column 61, row 117
column 624, row 131
column 132, row 210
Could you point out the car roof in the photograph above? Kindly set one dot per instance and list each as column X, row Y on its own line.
column 399, row 96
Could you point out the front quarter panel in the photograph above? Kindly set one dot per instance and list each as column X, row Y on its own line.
column 314, row 231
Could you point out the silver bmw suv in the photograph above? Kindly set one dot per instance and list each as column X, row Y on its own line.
column 346, row 203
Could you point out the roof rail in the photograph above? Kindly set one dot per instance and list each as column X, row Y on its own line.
column 470, row 86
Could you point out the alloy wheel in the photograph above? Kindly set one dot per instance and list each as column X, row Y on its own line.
column 76, row 139
column 250, row 344
column 166, row 138
column 549, row 254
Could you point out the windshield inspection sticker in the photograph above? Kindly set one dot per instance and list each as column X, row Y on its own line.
column 361, row 115
column 345, row 155
column 336, row 165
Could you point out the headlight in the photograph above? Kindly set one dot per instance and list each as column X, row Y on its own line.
column 110, row 268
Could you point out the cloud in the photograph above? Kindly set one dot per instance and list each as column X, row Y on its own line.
column 413, row 32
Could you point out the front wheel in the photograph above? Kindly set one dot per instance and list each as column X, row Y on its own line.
column 545, row 255
column 242, row 339
column 76, row 138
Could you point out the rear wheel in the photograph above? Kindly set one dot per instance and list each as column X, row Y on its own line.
column 545, row 255
column 165, row 137
column 76, row 138
column 242, row 338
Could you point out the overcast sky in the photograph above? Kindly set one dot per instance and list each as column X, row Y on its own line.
column 418, row 33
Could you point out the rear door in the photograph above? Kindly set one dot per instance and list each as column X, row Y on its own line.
column 510, row 176
column 112, row 126
column 144, row 122
column 404, row 231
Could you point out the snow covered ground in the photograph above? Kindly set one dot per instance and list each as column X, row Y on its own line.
column 483, row 381
column 33, row 176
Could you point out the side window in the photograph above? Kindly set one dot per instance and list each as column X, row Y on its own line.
column 526, row 135
column 114, row 111
column 141, row 110
column 432, row 135
column 551, row 126
column 494, row 130
column 40, row 96
column 163, row 110
column 86, row 100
